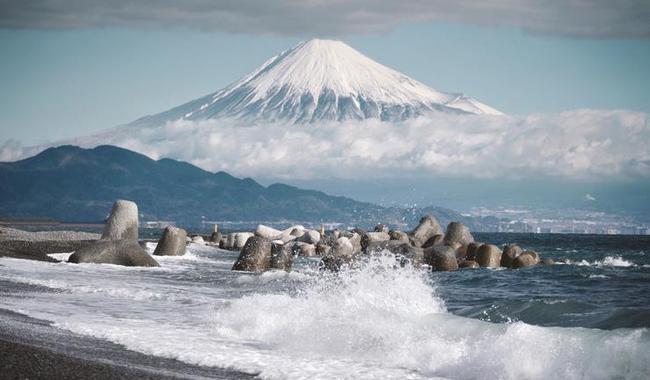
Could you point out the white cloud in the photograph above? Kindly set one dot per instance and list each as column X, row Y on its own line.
column 12, row 150
column 574, row 144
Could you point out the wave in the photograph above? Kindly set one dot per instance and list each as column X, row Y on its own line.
column 63, row 256
column 608, row 261
column 379, row 315
column 377, row 320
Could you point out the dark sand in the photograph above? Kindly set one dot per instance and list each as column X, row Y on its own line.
column 34, row 349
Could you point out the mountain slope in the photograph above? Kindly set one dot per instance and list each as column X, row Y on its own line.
column 321, row 80
column 69, row 183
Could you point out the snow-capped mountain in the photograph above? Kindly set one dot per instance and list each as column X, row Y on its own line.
column 321, row 80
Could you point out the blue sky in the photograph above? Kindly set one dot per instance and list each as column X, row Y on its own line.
column 63, row 83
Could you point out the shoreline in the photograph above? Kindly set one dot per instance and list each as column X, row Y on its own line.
column 33, row 348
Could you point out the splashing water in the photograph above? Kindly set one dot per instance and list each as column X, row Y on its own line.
column 377, row 320
column 388, row 316
column 609, row 261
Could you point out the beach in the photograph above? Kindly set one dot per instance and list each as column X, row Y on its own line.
column 33, row 349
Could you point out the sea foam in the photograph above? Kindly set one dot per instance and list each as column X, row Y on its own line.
column 608, row 261
column 376, row 320
column 386, row 316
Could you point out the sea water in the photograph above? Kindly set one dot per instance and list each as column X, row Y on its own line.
column 585, row 320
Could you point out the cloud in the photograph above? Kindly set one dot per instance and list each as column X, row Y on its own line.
column 579, row 144
column 587, row 18
column 12, row 150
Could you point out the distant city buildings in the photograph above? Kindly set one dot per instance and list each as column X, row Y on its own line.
column 562, row 221
column 158, row 224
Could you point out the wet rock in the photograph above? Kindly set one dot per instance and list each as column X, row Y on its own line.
column 285, row 238
column 267, row 232
column 215, row 237
column 297, row 231
column 461, row 251
column 122, row 222
column 399, row 235
column 489, row 256
column 471, row 250
column 360, row 231
column 510, row 253
column 381, row 228
column 341, row 253
column 441, row 258
column 291, row 246
column 229, row 241
column 240, row 239
column 322, row 249
column 454, row 244
column 342, row 248
column 346, row 234
column 172, row 242
column 333, row 263
column 468, row 264
column 373, row 237
column 198, row 239
column 327, row 240
column 285, row 235
column 125, row 252
column 399, row 248
column 547, row 261
column 305, row 249
column 427, row 228
column 355, row 240
column 310, row 237
column 255, row 256
column 281, row 257
column 457, row 232
column 526, row 259
column 433, row 240
column 532, row 253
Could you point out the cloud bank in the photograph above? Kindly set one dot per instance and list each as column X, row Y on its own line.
column 586, row 18
column 579, row 144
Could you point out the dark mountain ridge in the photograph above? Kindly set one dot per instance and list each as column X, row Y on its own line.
column 69, row 183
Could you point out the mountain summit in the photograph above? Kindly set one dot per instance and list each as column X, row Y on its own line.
column 321, row 80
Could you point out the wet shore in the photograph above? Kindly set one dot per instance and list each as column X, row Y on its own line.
column 34, row 349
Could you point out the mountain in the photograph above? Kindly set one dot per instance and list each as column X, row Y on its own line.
column 69, row 183
column 321, row 80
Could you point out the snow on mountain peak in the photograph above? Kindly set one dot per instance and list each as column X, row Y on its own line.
column 316, row 66
column 322, row 80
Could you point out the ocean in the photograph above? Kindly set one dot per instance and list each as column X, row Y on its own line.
column 584, row 320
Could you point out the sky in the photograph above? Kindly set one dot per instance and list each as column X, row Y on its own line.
column 71, row 68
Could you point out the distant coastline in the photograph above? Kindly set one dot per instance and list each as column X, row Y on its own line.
column 45, row 222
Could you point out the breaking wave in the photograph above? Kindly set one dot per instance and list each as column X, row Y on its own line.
column 609, row 261
column 378, row 320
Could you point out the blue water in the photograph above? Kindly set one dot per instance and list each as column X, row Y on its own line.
column 607, row 286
